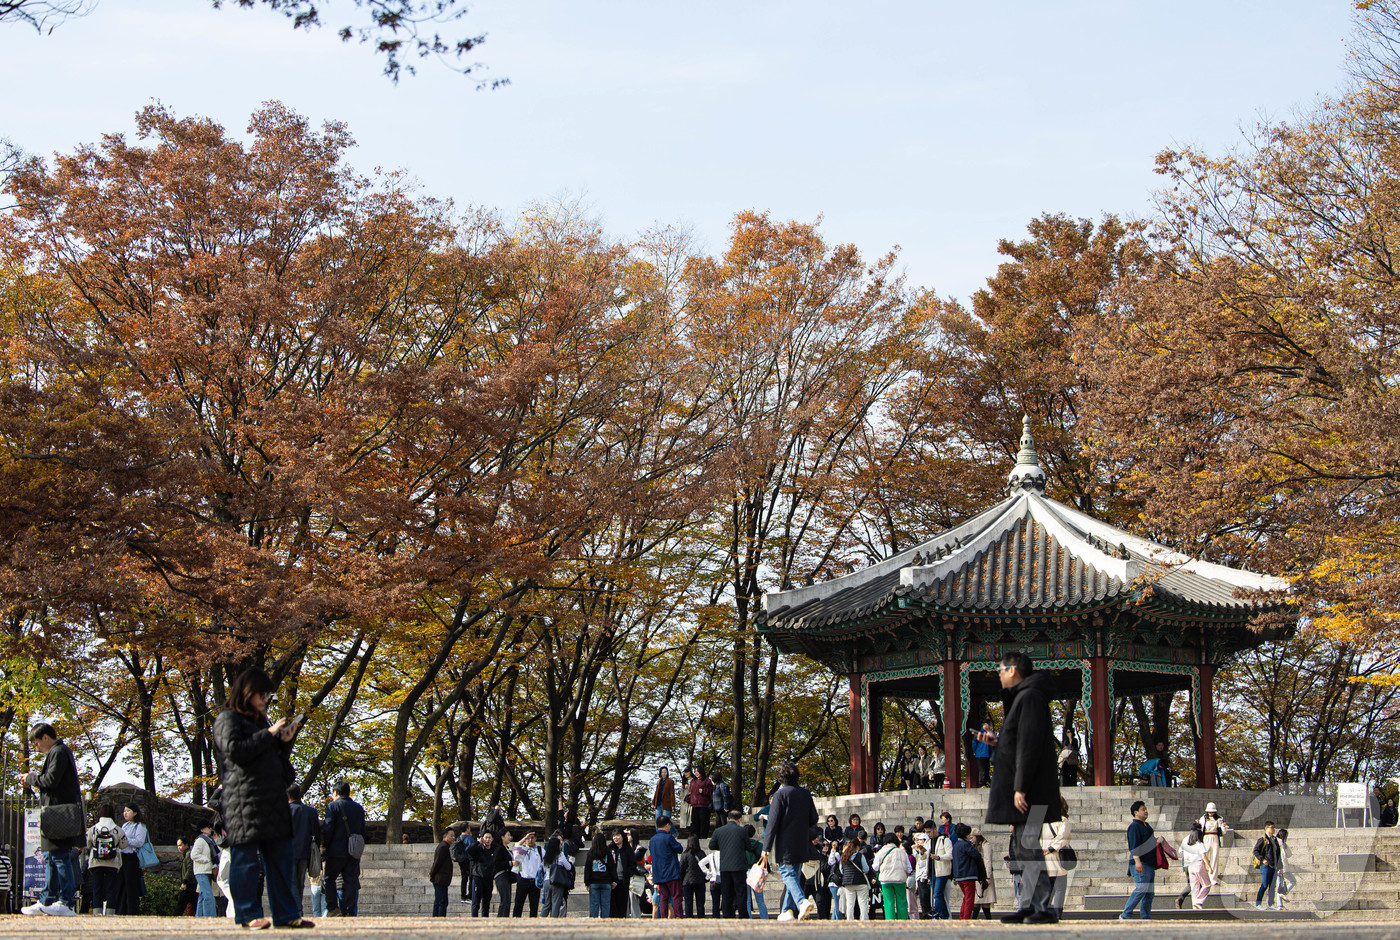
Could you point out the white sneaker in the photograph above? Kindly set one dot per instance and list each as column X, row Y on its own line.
column 32, row 909
column 807, row 909
column 1259, row 907
column 58, row 909
column 1275, row 907
column 787, row 915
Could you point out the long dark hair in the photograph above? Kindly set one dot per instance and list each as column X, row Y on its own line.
column 551, row 849
column 692, row 845
column 250, row 682
column 136, row 813
column 599, row 848
column 851, row 847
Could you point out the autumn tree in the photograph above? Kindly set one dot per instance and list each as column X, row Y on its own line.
column 1250, row 380
column 808, row 341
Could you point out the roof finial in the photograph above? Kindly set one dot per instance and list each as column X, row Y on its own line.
column 1027, row 474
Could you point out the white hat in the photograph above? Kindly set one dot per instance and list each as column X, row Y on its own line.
column 1210, row 808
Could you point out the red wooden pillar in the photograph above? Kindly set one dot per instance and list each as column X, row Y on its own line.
column 1205, row 747
column 952, row 723
column 1100, row 712
column 872, row 747
column 858, row 763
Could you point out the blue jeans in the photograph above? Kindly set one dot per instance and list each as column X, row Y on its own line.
column 835, row 901
column 58, row 879
column 792, row 881
column 274, row 858
column 1144, row 886
column 756, row 900
column 205, row 906
column 940, row 897
column 1266, row 883
column 662, row 813
column 600, row 900
column 318, row 901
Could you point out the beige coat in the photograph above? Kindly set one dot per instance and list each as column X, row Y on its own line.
column 1054, row 836
column 987, row 895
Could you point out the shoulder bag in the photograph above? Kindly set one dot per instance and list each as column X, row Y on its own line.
column 146, row 855
column 1068, row 857
column 354, row 842
column 61, row 821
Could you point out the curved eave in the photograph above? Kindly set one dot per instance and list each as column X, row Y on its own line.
column 901, row 608
column 1169, row 605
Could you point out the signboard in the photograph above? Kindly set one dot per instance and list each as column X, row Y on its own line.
column 1351, row 796
column 33, row 873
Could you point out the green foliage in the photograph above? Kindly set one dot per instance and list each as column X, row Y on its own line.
column 161, row 892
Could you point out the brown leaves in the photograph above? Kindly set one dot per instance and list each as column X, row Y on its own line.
column 1249, row 379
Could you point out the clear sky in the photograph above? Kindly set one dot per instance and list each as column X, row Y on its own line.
column 936, row 126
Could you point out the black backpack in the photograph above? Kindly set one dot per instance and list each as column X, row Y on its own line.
column 104, row 843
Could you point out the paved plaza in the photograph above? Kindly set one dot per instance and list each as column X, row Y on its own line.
column 411, row 928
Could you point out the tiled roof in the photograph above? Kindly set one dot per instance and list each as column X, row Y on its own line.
column 1027, row 554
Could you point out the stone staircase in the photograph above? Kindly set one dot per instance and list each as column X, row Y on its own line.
column 1351, row 873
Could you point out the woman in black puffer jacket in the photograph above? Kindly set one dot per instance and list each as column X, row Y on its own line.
column 256, row 773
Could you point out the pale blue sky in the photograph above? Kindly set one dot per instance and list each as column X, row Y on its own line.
column 937, row 126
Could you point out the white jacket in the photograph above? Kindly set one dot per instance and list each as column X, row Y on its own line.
column 201, row 856
column 893, row 864
column 943, row 857
column 1054, row 836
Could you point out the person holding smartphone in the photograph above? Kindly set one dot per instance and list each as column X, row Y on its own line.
column 256, row 757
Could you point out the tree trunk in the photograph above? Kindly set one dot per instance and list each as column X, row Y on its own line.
column 504, row 737
column 738, row 700
column 763, row 725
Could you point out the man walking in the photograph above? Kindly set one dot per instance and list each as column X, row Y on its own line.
column 1142, row 862
column 665, row 852
column 731, row 842
column 1025, row 790
column 306, row 841
column 788, row 840
column 345, row 820
column 62, row 826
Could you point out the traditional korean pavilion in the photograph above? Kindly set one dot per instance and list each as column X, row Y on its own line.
column 1111, row 614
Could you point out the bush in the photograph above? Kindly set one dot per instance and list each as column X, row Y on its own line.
column 161, row 892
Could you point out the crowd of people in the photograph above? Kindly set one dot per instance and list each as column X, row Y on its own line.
column 261, row 839
column 264, row 839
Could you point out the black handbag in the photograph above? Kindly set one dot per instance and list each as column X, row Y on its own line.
column 1068, row 858
column 61, row 821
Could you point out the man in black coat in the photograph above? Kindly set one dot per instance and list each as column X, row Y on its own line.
column 57, row 782
column 732, row 842
column 344, row 818
column 306, row 839
column 792, row 814
column 1025, row 791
